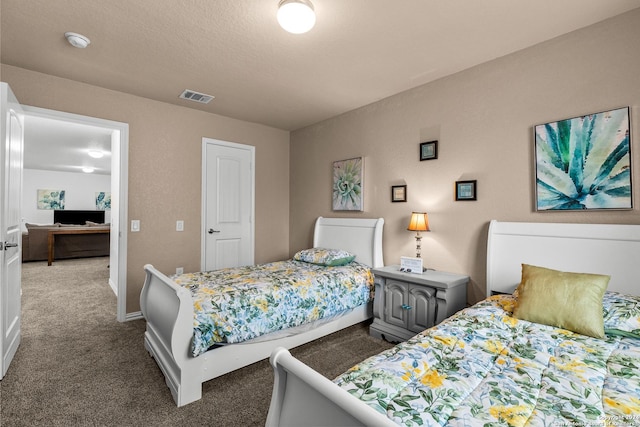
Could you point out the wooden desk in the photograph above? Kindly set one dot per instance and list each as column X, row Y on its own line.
column 69, row 230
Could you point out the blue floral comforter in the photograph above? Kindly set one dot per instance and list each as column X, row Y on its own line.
column 237, row 304
column 483, row 367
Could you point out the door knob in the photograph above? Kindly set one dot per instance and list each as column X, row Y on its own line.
column 9, row 245
column 211, row 231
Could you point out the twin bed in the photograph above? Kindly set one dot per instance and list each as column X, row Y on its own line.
column 192, row 347
column 563, row 351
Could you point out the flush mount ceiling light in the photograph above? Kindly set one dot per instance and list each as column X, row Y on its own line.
column 96, row 154
column 77, row 40
column 296, row 16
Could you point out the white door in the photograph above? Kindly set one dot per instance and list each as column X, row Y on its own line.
column 11, row 144
column 228, row 204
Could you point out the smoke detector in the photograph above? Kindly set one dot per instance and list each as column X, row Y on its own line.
column 192, row 95
column 77, row 40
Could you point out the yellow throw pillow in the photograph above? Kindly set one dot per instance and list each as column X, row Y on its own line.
column 570, row 301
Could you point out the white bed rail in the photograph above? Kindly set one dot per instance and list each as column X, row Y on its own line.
column 168, row 310
column 302, row 397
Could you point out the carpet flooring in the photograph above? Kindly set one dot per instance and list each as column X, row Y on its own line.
column 77, row 366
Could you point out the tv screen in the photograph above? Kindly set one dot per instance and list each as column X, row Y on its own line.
column 77, row 217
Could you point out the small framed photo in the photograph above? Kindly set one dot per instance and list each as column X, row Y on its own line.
column 398, row 193
column 466, row 190
column 429, row 150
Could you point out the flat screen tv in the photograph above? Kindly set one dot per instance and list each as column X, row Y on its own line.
column 77, row 217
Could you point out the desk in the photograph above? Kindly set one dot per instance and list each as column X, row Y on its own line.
column 69, row 230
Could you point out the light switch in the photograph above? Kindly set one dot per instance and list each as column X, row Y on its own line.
column 179, row 225
column 135, row 225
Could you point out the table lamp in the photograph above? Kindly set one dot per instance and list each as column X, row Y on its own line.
column 419, row 222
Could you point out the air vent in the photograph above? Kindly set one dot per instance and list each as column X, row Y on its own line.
column 196, row 96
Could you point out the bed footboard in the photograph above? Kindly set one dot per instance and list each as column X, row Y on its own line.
column 168, row 310
column 303, row 397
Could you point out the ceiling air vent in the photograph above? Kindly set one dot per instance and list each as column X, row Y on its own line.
column 196, row 96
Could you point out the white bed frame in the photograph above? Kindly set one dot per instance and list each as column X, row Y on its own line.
column 303, row 397
column 168, row 310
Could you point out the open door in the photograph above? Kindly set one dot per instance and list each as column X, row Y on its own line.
column 11, row 150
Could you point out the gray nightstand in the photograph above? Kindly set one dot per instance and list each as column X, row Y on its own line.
column 408, row 303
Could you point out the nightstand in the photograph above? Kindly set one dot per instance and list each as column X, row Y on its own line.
column 408, row 303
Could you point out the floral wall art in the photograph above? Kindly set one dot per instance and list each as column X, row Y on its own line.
column 103, row 201
column 50, row 199
column 584, row 163
column 348, row 184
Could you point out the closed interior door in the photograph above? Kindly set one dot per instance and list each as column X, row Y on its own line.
column 228, row 201
column 11, row 152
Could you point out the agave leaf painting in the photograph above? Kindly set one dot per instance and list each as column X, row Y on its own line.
column 347, row 184
column 584, row 162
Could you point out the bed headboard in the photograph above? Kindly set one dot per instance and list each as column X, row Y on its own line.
column 581, row 248
column 362, row 237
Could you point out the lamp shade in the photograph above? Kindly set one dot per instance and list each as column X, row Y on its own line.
column 419, row 222
column 296, row 16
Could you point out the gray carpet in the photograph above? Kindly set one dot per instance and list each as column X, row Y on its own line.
column 78, row 366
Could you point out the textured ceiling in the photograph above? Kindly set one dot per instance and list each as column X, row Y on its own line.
column 360, row 51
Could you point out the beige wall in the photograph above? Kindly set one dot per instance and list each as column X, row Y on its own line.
column 483, row 119
column 165, row 143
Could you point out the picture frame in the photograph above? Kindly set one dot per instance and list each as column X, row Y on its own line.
column 398, row 193
column 348, row 184
column 103, row 201
column 50, row 199
column 466, row 190
column 429, row 150
column 584, row 163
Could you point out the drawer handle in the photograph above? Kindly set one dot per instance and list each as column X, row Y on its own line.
column 406, row 307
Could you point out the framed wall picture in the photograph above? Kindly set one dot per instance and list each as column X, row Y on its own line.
column 399, row 193
column 51, row 199
column 103, row 201
column 429, row 150
column 584, row 163
column 348, row 184
column 466, row 190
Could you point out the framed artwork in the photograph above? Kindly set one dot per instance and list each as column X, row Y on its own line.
column 50, row 199
column 584, row 163
column 399, row 193
column 466, row 190
column 103, row 201
column 348, row 184
column 429, row 150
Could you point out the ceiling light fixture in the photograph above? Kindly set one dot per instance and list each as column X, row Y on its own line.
column 296, row 16
column 77, row 40
column 96, row 154
column 87, row 170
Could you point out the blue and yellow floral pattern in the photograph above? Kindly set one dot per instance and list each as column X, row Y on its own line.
column 484, row 367
column 237, row 304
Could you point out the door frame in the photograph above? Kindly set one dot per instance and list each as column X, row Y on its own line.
column 203, row 233
column 119, row 185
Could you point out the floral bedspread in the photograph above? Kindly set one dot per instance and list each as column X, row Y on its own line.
column 237, row 304
column 486, row 368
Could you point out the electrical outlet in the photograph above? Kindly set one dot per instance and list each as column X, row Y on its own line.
column 179, row 225
column 179, row 270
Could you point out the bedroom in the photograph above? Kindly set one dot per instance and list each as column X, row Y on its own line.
column 482, row 118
